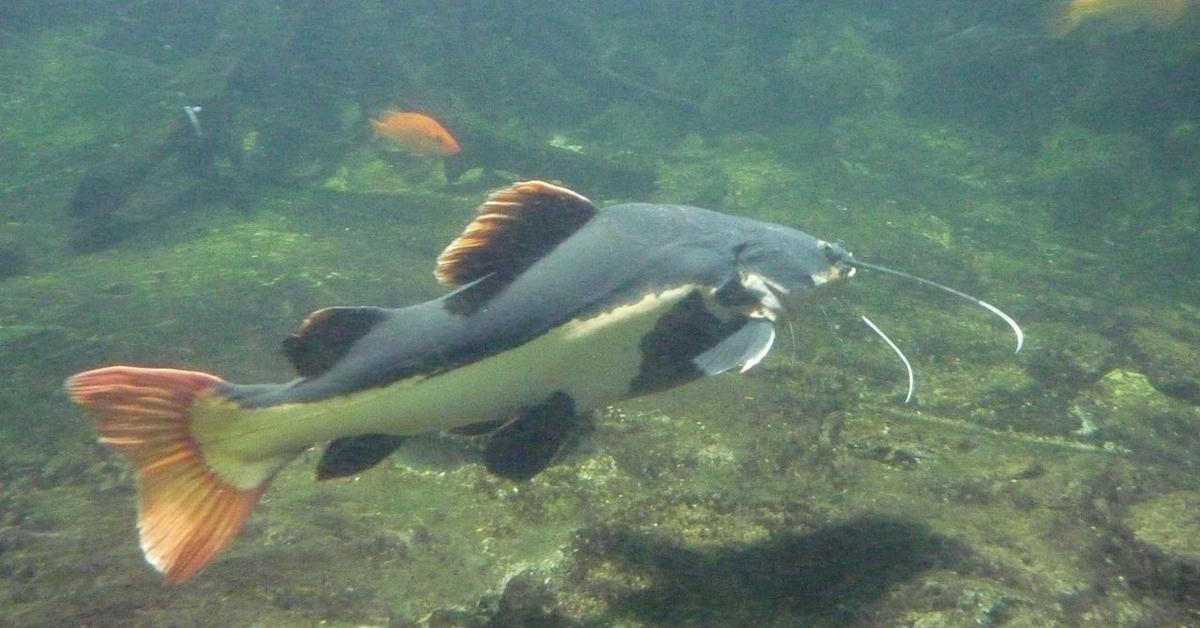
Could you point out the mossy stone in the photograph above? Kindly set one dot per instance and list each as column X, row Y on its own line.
column 13, row 258
column 1124, row 409
column 1076, row 357
column 1096, row 181
column 1170, row 362
column 1168, row 530
column 1169, row 524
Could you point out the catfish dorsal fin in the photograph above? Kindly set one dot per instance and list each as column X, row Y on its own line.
column 325, row 336
column 514, row 227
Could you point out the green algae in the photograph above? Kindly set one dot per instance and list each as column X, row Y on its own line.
column 1099, row 182
column 1167, row 522
column 838, row 72
column 1051, row 487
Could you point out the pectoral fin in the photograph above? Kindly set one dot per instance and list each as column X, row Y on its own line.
column 703, row 336
column 742, row 349
column 757, row 307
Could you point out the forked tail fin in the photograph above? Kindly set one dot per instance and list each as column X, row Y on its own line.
column 187, row 512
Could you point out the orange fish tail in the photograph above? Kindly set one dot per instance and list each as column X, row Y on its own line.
column 187, row 513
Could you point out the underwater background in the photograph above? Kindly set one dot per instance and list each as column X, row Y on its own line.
column 1046, row 161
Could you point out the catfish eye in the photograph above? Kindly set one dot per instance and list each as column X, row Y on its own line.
column 834, row 253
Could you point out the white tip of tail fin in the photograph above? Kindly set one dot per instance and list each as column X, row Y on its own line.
column 186, row 512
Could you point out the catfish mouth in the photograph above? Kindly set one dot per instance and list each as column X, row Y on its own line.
column 842, row 264
column 780, row 295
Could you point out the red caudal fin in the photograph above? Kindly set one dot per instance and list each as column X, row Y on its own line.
column 187, row 512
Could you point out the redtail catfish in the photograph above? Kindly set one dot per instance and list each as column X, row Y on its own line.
column 560, row 309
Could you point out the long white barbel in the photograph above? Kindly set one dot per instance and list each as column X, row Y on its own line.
column 980, row 302
column 912, row 380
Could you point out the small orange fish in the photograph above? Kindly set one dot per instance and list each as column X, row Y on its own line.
column 1117, row 14
column 415, row 133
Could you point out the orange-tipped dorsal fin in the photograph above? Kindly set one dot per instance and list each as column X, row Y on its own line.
column 514, row 227
column 187, row 513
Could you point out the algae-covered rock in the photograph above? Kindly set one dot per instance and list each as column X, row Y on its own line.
column 1096, row 181
column 1168, row 529
column 1073, row 356
column 1170, row 360
column 1124, row 409
column 13, row 258
column 28, row 341
column 834, row 72
column 1169, row 523
column 375, row 171
column 947, row 603
column 1181, row 146
column 740, row 85
column 902, row 158
column 696, row 181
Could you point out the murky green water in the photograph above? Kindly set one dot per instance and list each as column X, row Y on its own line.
column 1051, row 173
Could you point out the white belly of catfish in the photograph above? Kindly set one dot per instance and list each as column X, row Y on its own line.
column 592, row 360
